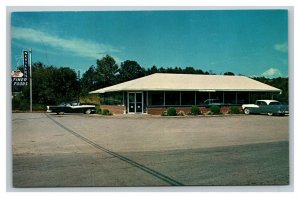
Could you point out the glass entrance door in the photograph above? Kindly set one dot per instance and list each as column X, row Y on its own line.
column 138, row 103
column 135, row 102
column 131, row 102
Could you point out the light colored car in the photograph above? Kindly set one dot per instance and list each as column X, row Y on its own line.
column 269, row 107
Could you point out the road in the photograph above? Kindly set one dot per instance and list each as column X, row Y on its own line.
column 91, row 150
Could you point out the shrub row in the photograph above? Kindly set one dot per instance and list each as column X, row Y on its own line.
column 102, row 111
column 214, row 110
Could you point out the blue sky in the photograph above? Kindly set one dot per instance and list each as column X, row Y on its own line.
column 248, row 42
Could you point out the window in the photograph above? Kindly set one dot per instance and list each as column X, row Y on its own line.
column 156, row 98
column 113, row 98
column 187, row 98
column 261, row 103
column 229, row 97
column 201, row 97
column 274, row 103
column 172, row 97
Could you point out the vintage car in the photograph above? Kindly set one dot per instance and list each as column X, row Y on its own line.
column 214, row 102
column 71, row 107
column 269, row 107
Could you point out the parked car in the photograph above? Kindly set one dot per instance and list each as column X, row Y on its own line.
column 214, row 102
column 269, row 107
column 71, row 107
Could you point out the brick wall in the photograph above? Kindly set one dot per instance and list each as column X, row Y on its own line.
column 186, row 110
column 224, row 109
column 155, row 110
column 114, row 109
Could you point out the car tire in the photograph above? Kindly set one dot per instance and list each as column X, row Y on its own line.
column 60, row 113
column 270, row 114
column 247, row 111
column 88, row 111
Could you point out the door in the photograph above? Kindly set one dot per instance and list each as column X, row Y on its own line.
column 135, row 102
column 138, row 103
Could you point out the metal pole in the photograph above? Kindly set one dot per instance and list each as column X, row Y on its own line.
column 30, row 78
column 180, row 98
column 78, row 78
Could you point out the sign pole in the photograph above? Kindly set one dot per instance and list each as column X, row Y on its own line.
column 30, row 78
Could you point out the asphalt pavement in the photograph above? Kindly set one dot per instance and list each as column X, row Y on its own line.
column 90, row 150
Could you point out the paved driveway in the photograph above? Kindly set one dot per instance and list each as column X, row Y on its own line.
column 92, row 150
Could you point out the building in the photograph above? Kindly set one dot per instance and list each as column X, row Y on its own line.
column 154, row 93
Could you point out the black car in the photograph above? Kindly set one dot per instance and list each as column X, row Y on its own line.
column 72, row 107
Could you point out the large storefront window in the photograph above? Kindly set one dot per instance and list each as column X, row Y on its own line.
column 172, row 97
column 187, row 98
column 113, row 98
column 260, row 96
column 156, row 98
column 230, row 97
column 201, row 97
column 243, row 98
column 217, row 95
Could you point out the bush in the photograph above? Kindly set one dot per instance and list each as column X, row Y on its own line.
column 215, row 109
column 39, row 107
column 234, row 110
column 195, row 110
column 105, row 112
column 163, row 113
column 181, row 113
column 171, row 111
column 98, row 109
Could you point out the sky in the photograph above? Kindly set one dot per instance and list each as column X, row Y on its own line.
column 246, row 42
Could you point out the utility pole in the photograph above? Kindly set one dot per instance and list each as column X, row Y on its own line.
column 30, row 78
column 78, row 78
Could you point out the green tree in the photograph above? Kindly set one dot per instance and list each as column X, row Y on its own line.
column 280, row 83
column 130, row 70
column 89, row 81
column 189, row 70
column 107, row 70
column 50, row 85
column 228, row 74
column 152, row 70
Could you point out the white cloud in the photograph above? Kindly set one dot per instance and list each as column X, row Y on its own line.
column 272, row 73
column 79, row 47
column 281, row 47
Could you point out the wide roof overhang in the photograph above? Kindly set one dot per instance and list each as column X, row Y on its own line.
column 190, row 82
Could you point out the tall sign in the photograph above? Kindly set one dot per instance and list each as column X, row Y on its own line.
column 19, row 78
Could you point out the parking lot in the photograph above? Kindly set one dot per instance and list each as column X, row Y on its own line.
column 92, row 150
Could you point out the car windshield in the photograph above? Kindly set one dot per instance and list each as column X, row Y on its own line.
column 64, row 104
column 209, row 101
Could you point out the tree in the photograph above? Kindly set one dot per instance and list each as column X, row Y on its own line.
column 189, row 70
column 50, row 85
column 280, row 83
column 152, row 70
column 65, row 84
column 89, row 81
column 107, row 70
column 130, row 70
column 228, row 74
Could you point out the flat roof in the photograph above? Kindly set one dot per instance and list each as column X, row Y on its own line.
column 189, row 82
